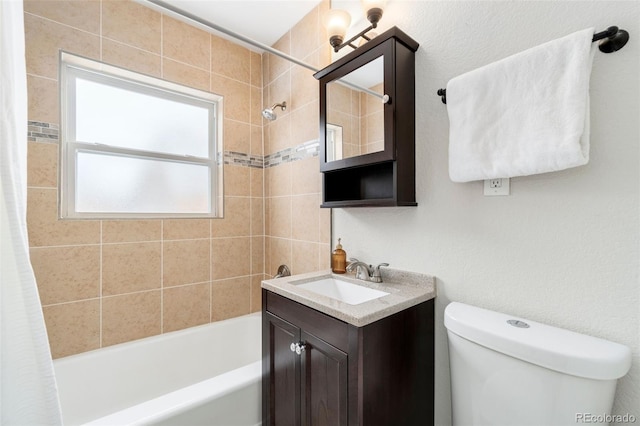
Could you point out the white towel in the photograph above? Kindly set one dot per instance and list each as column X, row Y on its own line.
column 523, row 115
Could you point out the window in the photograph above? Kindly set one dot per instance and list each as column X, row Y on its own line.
column 136, row 146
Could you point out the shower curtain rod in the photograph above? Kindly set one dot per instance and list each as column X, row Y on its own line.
column 614, row 40
column 166, row 7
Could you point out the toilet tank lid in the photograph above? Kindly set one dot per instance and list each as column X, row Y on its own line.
column 551, row 347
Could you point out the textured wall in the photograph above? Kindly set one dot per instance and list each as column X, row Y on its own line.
column 563, row 248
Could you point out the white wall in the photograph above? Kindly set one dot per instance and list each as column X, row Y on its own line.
column 563, row 248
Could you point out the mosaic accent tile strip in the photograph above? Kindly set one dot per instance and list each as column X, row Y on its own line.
column 42, row 132
column 242, row 159
column 300, row 152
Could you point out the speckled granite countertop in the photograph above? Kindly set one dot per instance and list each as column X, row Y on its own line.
column 406, row 289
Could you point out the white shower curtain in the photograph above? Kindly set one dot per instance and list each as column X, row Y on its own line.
column 28, row 394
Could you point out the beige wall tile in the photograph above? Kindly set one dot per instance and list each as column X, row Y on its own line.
column 230, row 298
column 73, row 327
column 304, row 35
column 42, row 164
column 42, row 97
column 280, row 217
column 256, row 69
column 278, row 91
column 256, row 106
column 257, row 216
column 306, row 176
column 324, row 256
column 126, row 231
column 84, row 15
column 131, row 58
column 305, row 87
column 185, row 229
column 46, row 230
column 306, row 127
column 279, row 135
column 279, row 254
column 236, row 97
column 130, row 267
column 131, row 23
column 230, row 59
column 44, row 38
column 257, row 255
column 256, row 292
column 256, row 140
column 236, row 181
column 186, row 306
column 256, row 182
column 236, row 221
column 66, row 274
column 130, row 317
column 278, row 65
column 185, row 43
column 325, row 223
column 185, row 262
column 237, row 136
column 306, row 225
column 184, row 74
column 280, row 180
column 230, row 257
column 305, row 257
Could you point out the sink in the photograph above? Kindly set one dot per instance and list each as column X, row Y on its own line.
column 343, row 291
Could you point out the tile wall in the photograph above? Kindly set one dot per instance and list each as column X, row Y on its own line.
column 103, row 282
column 297, row 231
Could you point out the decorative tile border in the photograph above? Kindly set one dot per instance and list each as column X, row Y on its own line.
column 42, row 132
column 300, row 152
column 47, row 132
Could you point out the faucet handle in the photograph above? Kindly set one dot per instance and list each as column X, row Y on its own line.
column 376, row 277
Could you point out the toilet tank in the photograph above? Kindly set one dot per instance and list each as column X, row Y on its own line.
column 511, row 371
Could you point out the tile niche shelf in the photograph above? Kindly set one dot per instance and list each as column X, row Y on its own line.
column 367, row 124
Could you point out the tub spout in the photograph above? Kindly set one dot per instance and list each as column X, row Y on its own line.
column 283, row 271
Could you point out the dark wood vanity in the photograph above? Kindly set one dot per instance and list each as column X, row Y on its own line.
column 367, row 124
column 318, row 370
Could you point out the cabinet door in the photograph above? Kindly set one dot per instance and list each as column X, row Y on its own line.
column 325, row 383
column 282, row 384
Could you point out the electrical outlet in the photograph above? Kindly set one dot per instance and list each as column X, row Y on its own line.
column 496, row 187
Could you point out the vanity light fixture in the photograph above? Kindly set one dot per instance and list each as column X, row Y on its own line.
column 338, row 22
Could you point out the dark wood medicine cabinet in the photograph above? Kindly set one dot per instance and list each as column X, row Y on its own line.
column 367, row 124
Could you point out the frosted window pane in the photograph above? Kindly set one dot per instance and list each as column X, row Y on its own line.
column 119, row 117
column 116, row 184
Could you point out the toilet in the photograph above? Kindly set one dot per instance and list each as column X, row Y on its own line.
column 511, row 371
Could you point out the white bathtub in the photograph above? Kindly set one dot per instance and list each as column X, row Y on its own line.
column 207, row 375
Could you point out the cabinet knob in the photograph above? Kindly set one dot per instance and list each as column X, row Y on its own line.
column 300, row 348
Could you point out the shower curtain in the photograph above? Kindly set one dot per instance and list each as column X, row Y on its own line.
column 28, row 394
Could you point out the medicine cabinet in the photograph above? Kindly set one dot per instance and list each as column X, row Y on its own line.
column 367, row 124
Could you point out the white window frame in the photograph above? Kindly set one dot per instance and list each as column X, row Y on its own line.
column 72, row 67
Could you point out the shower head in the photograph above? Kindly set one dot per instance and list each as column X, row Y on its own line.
column 269, row 114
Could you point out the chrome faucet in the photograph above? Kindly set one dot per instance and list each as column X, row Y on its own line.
column 366, row 272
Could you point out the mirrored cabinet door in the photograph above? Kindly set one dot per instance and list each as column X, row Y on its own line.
column 367, row 124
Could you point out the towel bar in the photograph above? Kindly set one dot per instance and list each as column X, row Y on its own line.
column 613, row 39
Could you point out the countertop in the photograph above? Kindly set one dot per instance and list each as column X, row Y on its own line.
column 406, row 289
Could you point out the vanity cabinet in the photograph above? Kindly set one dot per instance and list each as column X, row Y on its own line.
column 367, row 124
column 318, row 370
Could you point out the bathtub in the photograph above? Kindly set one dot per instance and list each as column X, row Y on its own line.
column 205, row 375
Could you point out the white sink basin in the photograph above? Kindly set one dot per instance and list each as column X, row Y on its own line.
column 343, row 291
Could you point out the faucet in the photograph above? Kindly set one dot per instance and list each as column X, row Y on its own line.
column 365, row 272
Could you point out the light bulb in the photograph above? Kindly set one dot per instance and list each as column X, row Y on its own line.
column 337, row 23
